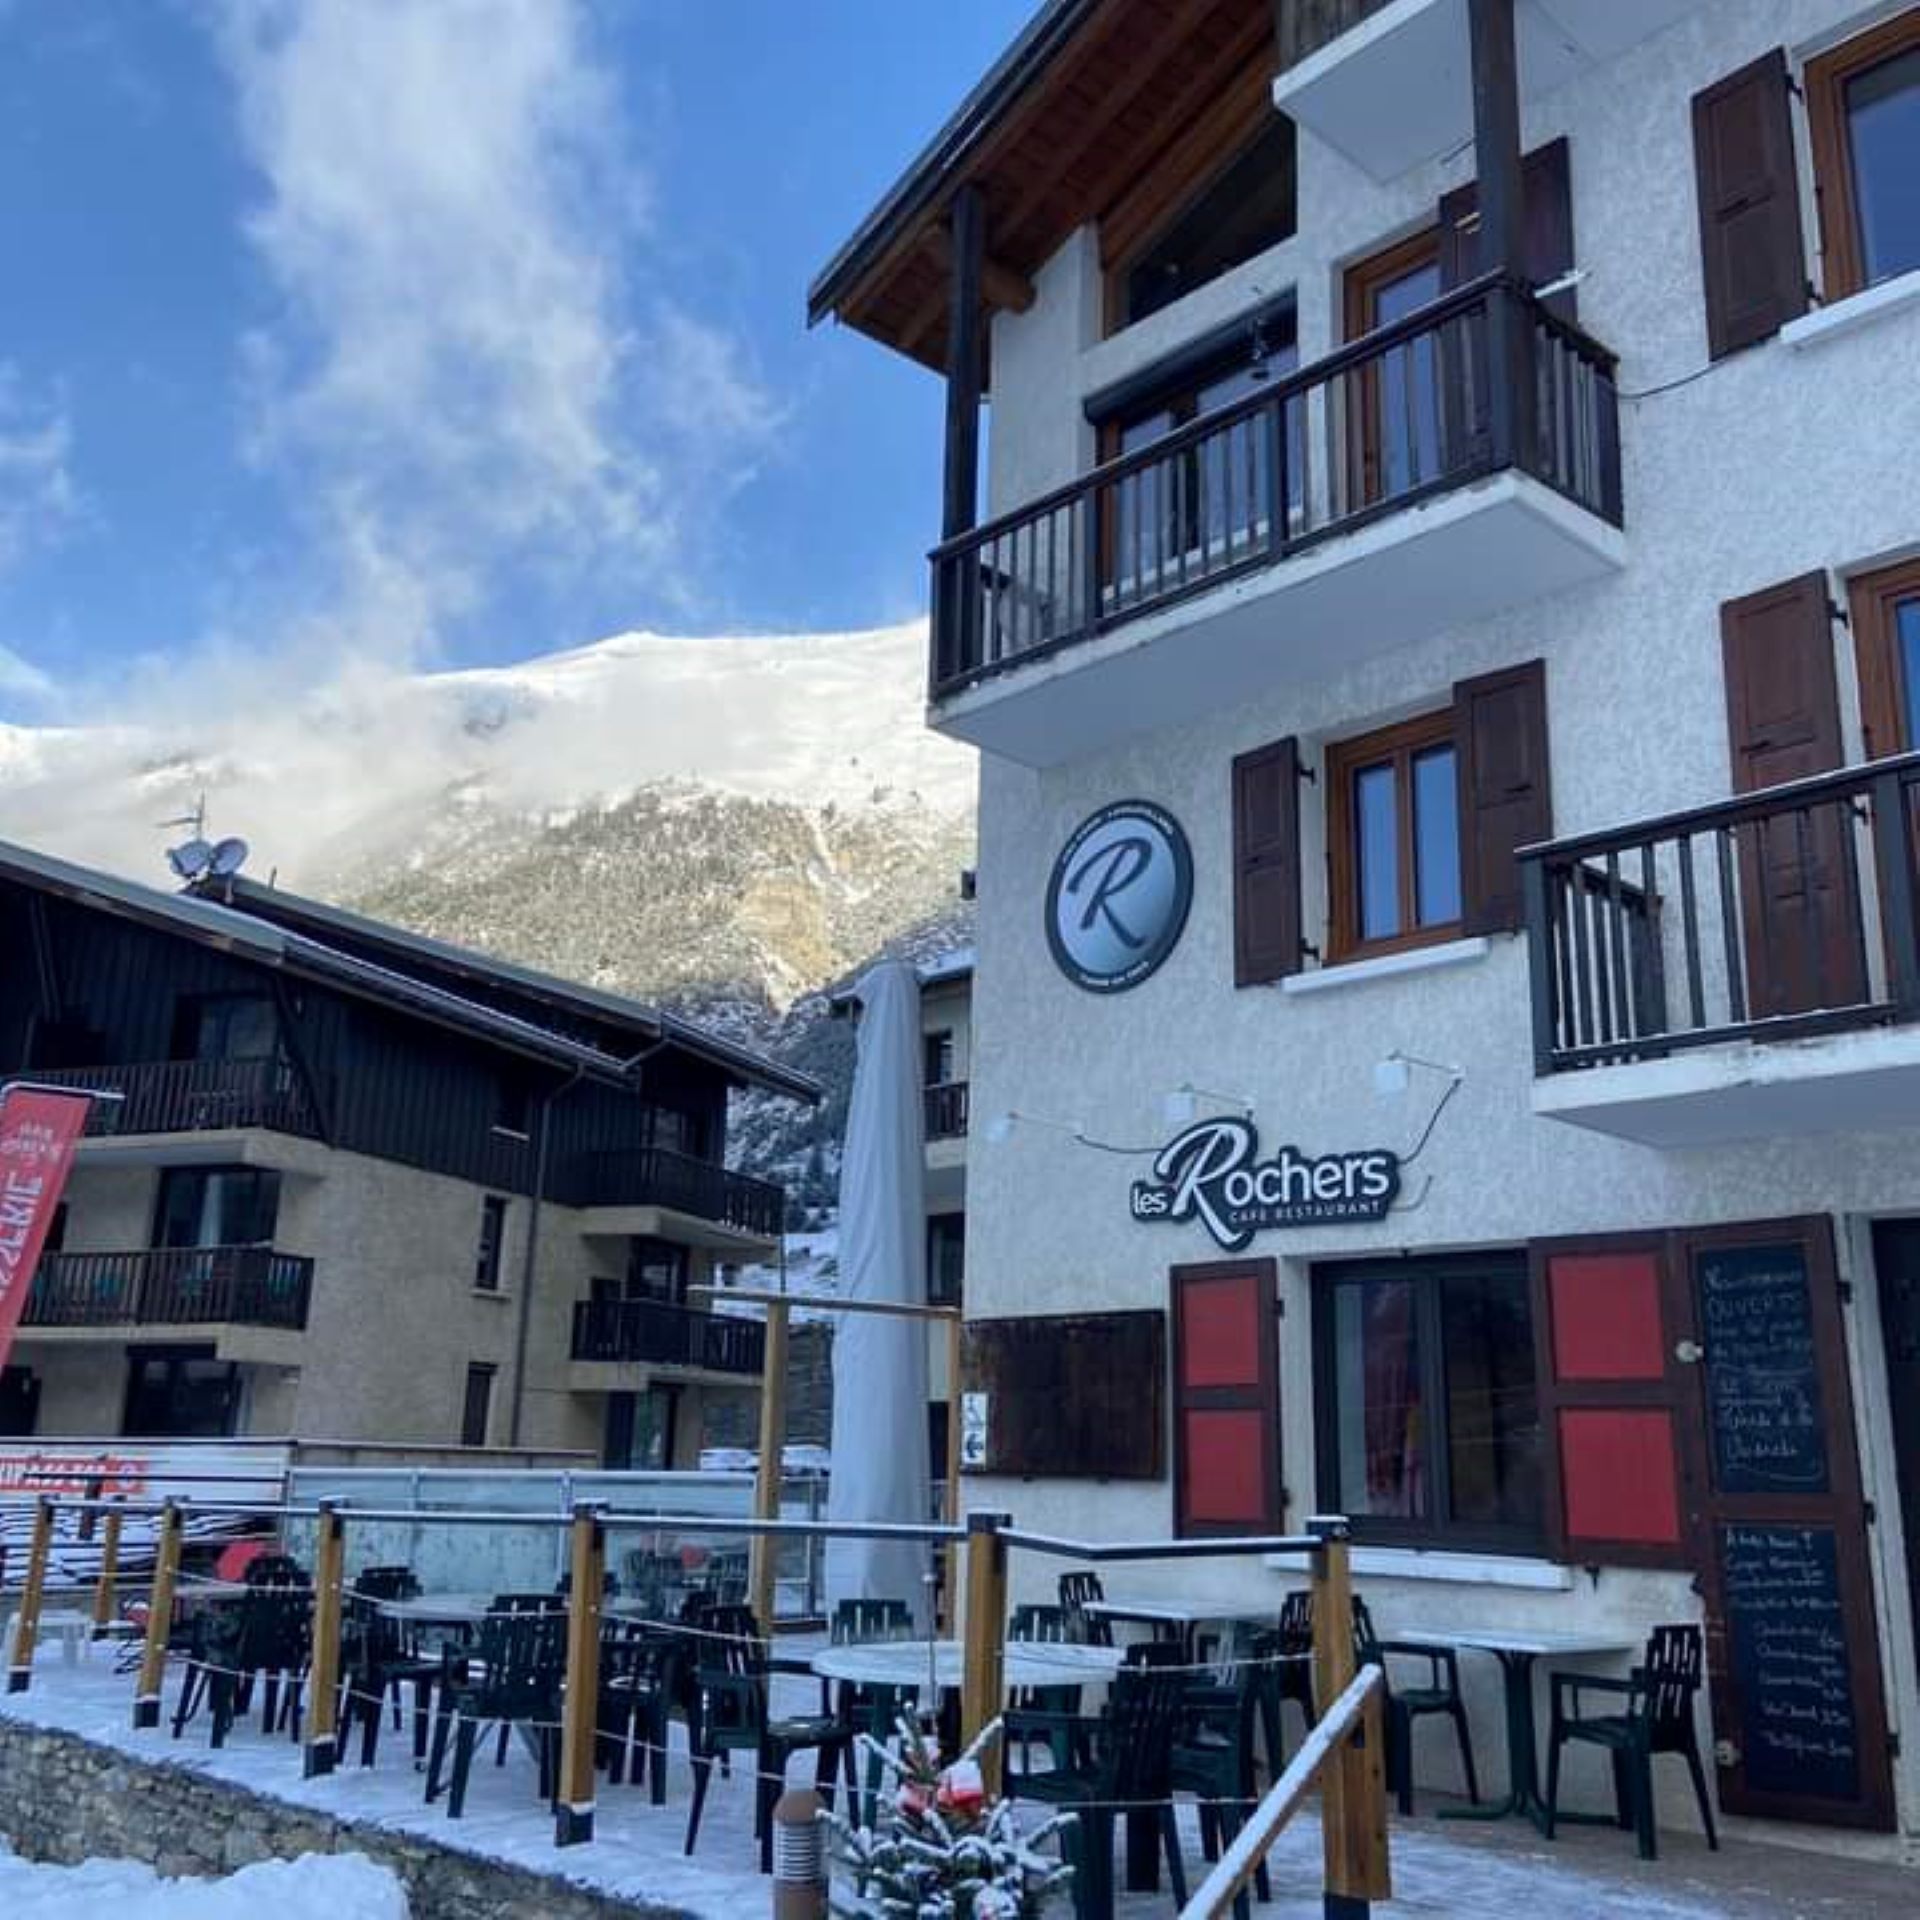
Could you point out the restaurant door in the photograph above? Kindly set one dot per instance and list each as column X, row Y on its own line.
column 1896, row 1258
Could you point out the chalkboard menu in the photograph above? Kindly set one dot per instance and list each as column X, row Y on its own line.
column 1763, row 1383
column 1788, row 1660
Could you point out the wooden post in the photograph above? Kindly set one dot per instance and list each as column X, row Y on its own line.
column 983, row 1689
column 573, row 1807
column 26, row 1629
column 104, row 1598
column 959, row 507
column 952, row 1549
column 1496, row 156
column 153, row 1657
column 764, row 1550
column 323, row 1683
column 1353, row 1787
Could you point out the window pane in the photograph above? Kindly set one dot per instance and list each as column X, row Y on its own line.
column 1376, row 835
column 1906, row 630
column 1409, row 392
column 1883, row 117
column 1377, row 1399
column 1436, row 837
column 1493, row 1419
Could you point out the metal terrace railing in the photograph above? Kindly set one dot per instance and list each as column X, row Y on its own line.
column 660, row 1177
column 667, row 1335
column 1783, row 913
column 191, row 1096
column 946, row 1116
column 171, row 1286
column 1484, row 379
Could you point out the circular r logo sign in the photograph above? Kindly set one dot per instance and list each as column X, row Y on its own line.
column 1119, row 895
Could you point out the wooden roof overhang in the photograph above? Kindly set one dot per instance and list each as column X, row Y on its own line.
column 1102, row 110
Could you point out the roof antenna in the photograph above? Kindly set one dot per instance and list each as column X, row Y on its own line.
column 193, row 857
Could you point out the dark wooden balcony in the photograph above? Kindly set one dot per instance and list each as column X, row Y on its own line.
column 1485, row 380
column 660, row 1177
column 171, row 1287
column 657, row 1332
column 946, row 1117
column 191, row 1096
column 1780, row 915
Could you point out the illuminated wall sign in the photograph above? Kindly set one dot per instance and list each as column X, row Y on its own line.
column 1119, row 895
column 1213, row 1173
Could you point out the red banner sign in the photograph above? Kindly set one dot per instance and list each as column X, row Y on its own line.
column 38, row 1132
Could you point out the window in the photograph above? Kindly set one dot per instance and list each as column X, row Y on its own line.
column 181, row 1393
column 1393, row 838
column 676, row 1130
column 657, row 1270
column 639, row 1430
column 225, row 1026
column 217, row 1207
column 513, row 1101
column 936, row 1057
column 1397, row 434
column 1428, row 1415
column 477, row 1408
column 946, row 1258
column 1886, row 638
column 1863, row 101
column 1247, row 207
column 493, row 1235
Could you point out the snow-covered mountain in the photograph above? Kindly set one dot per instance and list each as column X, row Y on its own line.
column 727, row 823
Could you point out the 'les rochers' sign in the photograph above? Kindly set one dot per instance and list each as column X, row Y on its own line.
column 1213, row 1173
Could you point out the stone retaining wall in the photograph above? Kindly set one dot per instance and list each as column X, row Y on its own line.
column 65, row 1799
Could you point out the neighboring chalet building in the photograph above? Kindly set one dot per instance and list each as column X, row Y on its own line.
column 1442, row 628
column 367, row 1186
column 946, row 1045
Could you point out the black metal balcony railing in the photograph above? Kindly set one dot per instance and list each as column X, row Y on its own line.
column 171, row 1286
column 667, row 1335
column 659, row 1177
column 191, row 1096
column 1481, row 380
column 1783, row 913
column 947, row 1110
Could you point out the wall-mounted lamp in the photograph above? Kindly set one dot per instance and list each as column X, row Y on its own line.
column 1000, row 1127
column 1181, row 1107
column 1392, row 1075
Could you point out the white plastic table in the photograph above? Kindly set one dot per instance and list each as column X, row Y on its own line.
column 1516, row 1649
column 439, row 1609
column 913, row 1663
column 1176, row 1610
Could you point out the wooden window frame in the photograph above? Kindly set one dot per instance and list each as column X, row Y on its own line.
column 1363, row 279
column 1397, row 746
column 1871, row 600
column 1843, row 270
column 1426, row 1272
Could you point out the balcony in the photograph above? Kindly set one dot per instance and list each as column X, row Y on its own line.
column 191, row 1096
column 1460, row 462
column 1389, row 84
column 946, row 1111
column 653, row 1332
column 621, row 1181
column 1736, row 972
column 171, row 1287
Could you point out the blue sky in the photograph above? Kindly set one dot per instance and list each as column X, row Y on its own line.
column 447, row 331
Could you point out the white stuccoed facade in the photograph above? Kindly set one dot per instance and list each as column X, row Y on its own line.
column 1783, row 458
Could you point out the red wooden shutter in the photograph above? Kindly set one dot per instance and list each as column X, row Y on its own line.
column 1752, row 250
column 1546, row 194
column 1266, row 863
column 1226, row 1400
column 1610, row 1385
column 1506, row 799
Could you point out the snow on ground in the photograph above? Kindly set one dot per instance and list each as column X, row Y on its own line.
column 317, row 1886
column 1502, row 1869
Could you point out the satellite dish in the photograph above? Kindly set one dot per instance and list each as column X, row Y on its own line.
column 227, row 857
column 191, row 859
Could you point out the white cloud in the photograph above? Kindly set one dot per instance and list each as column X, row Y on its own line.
column 38, row 500
column 470, row 368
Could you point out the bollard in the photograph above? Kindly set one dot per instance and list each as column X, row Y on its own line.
column 799, row 1856
column 983, row 1691
column 573, row 1805
column 103, row 1594
column 26, row 1629
column 323, row 1684
column 153, row 1656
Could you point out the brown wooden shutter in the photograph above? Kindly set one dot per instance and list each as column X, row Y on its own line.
column 1798, row 883
column 1611, row 1391
column 1266, row 863
column 1753, row 253
column 1506, row 800
column 1226, row 1400
column 1546, row 191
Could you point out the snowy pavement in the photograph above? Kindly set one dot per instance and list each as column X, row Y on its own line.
column 317, row 1886
column 1501, row 1869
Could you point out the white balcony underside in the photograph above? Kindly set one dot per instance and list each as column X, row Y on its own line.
column 669, row 1223
column 1480, row 550
column 1862, row 1082
column 1397, row 89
